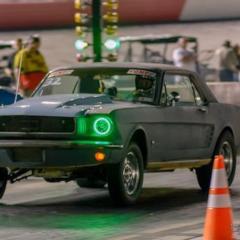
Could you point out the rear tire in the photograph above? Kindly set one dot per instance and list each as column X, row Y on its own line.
column 226, row 147
column 125, row 179
column 3, row 181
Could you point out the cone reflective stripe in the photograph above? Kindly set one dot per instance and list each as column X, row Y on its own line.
column 219, row 179
column 218, row 221
column 218, row 201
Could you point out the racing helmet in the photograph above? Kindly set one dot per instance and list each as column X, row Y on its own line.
column 143, row 83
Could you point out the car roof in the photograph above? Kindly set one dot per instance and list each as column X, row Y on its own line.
column 125, row 65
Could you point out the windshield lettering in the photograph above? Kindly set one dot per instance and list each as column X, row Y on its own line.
column 143, row 73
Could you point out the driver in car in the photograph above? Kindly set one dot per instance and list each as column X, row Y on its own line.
column 144, row 87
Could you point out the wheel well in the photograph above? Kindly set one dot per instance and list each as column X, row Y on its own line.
column 139, row 138
column 226, row 129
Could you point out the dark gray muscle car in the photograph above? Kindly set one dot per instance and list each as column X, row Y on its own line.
column 106, row 123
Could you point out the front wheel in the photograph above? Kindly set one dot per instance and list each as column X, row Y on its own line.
column 226, row 147
column 3, row 181
column 125, row 179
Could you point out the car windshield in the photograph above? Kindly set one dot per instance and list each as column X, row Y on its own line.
column 129, row 85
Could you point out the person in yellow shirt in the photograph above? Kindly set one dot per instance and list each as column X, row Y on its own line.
column 30, row 65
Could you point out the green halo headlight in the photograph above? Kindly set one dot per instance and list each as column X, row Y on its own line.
column 102, row 126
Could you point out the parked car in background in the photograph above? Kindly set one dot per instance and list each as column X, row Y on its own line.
column 107, row 123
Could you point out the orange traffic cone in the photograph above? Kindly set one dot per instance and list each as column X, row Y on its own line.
column 218, row 221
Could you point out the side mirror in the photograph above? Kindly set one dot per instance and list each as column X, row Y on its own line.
column 173, row 98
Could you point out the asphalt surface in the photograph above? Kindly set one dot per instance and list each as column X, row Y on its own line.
column 171, row 206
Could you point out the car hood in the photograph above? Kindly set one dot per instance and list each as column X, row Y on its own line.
column 65, row 105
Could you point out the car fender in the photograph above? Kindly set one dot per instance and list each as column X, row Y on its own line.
column 131, row 135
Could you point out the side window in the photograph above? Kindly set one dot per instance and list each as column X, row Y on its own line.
column 131, row 88
column 163, row 98
column 179, row 90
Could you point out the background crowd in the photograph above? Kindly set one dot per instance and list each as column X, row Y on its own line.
column 227, row 55
column 27, row 63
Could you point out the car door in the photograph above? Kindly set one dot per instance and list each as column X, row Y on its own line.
column 184, row 129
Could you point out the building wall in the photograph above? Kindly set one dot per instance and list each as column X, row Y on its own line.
column 210, row 9
column 19, row 14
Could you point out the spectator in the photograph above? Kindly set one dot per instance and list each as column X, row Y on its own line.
column 227, row 62
column 236, row 49
column 9, row 70
column 31, row 66
column 184, row 58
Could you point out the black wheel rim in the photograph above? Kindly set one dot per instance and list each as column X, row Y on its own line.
column 131, row 173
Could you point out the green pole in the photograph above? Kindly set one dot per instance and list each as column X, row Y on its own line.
column 97, row 30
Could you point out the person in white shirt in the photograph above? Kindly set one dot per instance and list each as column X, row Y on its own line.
column 184, row 58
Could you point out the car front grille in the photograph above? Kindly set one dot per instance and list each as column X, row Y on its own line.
column 37, row 124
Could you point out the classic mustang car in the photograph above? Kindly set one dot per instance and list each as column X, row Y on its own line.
column 107, row 123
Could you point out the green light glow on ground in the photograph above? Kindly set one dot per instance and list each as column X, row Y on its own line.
column 88, row 226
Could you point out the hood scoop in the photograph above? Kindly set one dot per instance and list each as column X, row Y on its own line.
column 88, row 100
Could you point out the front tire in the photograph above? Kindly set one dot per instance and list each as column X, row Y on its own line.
column 125, row 179
column 3, row 181
column 226, row 147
